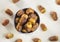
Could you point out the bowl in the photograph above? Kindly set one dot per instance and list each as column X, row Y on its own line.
column 24, row 24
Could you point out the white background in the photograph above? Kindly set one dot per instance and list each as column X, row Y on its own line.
column 52, row 26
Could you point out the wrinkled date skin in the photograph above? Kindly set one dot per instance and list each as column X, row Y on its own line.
column 5, row 22
column 9, row 12
column 53, row 38
column 54, row 15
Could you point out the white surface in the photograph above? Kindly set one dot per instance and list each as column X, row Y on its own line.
column 53, row 26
